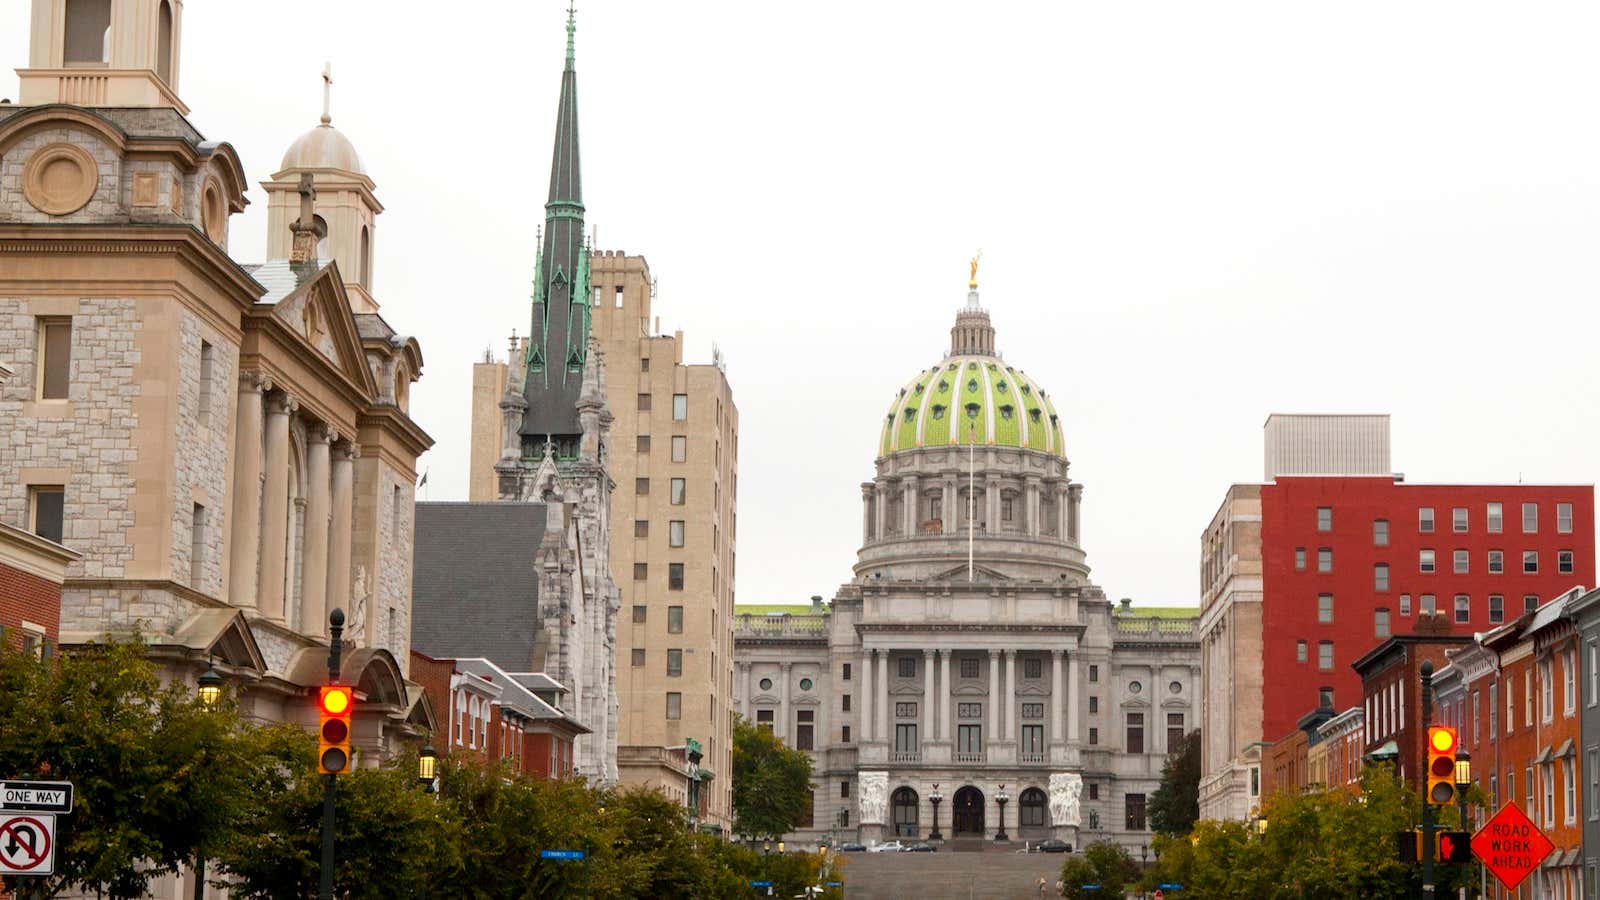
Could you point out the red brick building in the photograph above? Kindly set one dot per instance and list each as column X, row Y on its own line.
column 497, row 715
column 1390, row 679
column 31, row 571
column 1348, row 561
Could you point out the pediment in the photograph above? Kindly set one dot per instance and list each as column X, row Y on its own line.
column 319, row 313
column 1174, row 703
column 982, row 573
column 969, row 690
column 765, row 699
column 906, row 689
column 1136, row 703
column 1033, row 690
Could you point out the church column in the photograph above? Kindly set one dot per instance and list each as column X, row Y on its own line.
column 945, row 712
column 928, row 724
column 1074, row 674
column 867, row 689
column 275, row 503
column 994, row 697
column 314, row 574
column 783, row 702
column 952, row 504
column 1074, row 495
column 1033, row 506
column 245, row 537
column 883, row 696
column 342, row 530
column 1055, row 697
column 1009, row 721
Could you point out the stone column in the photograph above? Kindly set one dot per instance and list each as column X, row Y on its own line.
column 1010, row 719
column 1055, row 697
column 912, row 515
column 994, row 697
column 991, row 506
column 928, row 725
column 744, row 688
column 1061, row 510
column 1033, row 505
column 867, row 689
column 244, row 541
column 952, row 504
column 867, row 533
column 883, row 697
column 1073, row 675
column 340, row 534
column 783, row 701
column 1074, row 496
column 945, row 712
column 275, row 506
column 314, row 588
column 880, row 509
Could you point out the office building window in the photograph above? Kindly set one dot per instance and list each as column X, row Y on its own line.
column 1530, row 602
column 1324, row 559
column 844, row 790
column 1425, row 560
column 644, row 403
column 1299, row 559
column 1094, row 704
column 1496, row 518
column 844, row 672
column 1324, row 518
column 675, row 576
column 680, row 406
column 675, row 533
column 1463, row 608
column 969, row 738
column 641, row 528
column 1135, row 733
column 1324, row 608
column 1458, row 520
column 1530, row 518
column 1425, row 519
column 1033, row 739
column 641, row 486
column 1380, row 623
column 1325, row 656
column 1497, row 609
column 1094, row 737
column 674, row 620
column 969, row 667
column 55, row 358
column 1380, row 577
column 805, row 723
column 1530, row 562
column 1405, row 604
column 1135, row 809
column 908, row 666
column 641, row 571
column 1564, row 562
column 675, row 707
column 1094, row 673
column 1380, row 532
column 641, row 443
column 1033, row 667
column 1460, row 564
column 639, row 612
column 1174, row 731
column 680, row 448
column 1497, row 562
column 844, row 703
column 969, row 710
column 47, row 511
column 1300, row 651
column 764, row 719
column 844, row 734
column 1564, row 518
column 679, row 490
column 638, row 658
column 674, row 663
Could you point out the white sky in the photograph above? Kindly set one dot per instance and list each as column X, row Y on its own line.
column 1192, row 215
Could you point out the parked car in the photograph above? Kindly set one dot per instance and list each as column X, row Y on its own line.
column 1052, row 845
column 922, row 848
column 849, row 847
column 887, row 847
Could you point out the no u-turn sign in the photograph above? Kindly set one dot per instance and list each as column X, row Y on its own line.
column 27, row 844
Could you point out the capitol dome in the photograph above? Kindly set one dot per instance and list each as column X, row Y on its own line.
column 323, row 147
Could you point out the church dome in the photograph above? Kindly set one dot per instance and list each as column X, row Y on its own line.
column 323, row 147
column 1005, row 408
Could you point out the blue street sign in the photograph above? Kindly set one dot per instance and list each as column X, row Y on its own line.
column 761, row 884
column 1089, row 887
column 835, row 884
column 561, row 854
column 1170, row 887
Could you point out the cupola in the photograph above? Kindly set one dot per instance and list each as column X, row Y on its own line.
column 104, row 53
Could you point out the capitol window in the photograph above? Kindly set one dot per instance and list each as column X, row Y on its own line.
column 1033, row 668
column 969, row 710
column 905, row 710
column 908, row 666
column 969, row 668
column 1033, row 710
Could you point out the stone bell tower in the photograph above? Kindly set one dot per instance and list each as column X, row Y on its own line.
column 104, row 53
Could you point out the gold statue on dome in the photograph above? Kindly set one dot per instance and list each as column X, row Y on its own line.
column 973, row 280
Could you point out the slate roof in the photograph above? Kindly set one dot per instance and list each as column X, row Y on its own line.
column 475, row 591
column 282, row 278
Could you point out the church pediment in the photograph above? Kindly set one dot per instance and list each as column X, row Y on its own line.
column 319, row 313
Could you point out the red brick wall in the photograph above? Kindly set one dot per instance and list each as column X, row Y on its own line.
column 1289, row 596
column 24, row 596
column 434, row 676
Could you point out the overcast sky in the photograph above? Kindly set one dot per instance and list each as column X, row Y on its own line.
column 1191, row 215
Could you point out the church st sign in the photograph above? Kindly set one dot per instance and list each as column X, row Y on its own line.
column 1511, row 846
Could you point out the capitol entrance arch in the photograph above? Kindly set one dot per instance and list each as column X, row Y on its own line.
column 966, row 811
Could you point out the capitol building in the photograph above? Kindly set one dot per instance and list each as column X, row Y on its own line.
column 971, row 682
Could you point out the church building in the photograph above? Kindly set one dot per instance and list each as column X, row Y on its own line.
column 970, row 682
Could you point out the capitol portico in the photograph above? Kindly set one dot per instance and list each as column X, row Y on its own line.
column 970, row 681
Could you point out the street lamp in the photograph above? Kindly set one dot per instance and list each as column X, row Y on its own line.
column 1463, row 781
column 210, row 685
column 1002, row 798
column 1261, row 826
column 766, row 846
column 427, row 767
column 935, row 798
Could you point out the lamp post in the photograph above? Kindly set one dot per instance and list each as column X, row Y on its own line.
column 1463, row 781
column 1261, row 827
column 1002, row 798
column 428, row 768
column 935, row 798
column 209, row 689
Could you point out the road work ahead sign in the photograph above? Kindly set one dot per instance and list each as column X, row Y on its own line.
column 1511, row 846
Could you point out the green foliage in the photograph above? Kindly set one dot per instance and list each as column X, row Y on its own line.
column 1104, row 863
column 1175, row 806
column 771, row 783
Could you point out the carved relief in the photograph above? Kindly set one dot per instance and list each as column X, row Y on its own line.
column 874, row 790
column 1065, row 787
column 59, row 179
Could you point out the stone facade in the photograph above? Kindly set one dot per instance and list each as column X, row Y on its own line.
column 971, row 658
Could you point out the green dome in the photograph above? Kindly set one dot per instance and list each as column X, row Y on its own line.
column 1000, row 405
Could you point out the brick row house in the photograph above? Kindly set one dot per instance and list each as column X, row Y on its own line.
column 498, row 716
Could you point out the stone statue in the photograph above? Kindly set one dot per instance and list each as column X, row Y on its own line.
column 1064, row 790
column 357, row 633
column 874, row 791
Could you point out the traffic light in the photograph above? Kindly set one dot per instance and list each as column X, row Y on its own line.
column 335, row 703
column 1455, row 846
column 1441, row 765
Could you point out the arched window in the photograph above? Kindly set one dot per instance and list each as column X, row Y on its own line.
column 88, row 27
column 164, row 44
column 1031, row 807
column 365, row 262
column 322, row 242
column 904, row 802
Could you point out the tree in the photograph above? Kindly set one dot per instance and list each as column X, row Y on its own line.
column 158, row 777
column 1175, row 806
column 771, row 783
column 1104, row 863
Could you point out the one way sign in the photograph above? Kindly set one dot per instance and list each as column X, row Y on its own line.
column 36, row 796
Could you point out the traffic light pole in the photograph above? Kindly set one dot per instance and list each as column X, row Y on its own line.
column 1427, row 808
column 330, row 782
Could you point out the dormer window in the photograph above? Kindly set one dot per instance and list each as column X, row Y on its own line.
column 911, row 413
column 1000, row 386
column 1034, row 414
column 972, row 385
column 919, row 388
column 938, row 410
column 1006, row 410
column 944, row 386
column 1027, row 390
column 972, row 410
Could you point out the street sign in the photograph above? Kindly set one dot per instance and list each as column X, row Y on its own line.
column 1172, row 886
column 761, row 884
column 36, row 796
column 1510, row 846
column 561, row 854
column 27, row 844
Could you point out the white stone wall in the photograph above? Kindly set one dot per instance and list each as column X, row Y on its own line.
column 94, row 442
column 201, row 463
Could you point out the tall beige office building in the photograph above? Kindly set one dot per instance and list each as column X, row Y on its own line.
column 673, row 460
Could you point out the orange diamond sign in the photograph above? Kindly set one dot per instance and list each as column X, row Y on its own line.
column 1511, row 846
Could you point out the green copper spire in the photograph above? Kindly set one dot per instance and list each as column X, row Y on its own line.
column 572, row 28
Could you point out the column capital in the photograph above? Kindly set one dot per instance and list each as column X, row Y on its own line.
column 1056, row 653
column 279, row 403
column 928, row 654
column 254, row 380
column 993, row 654
column 785, row 665
column 346, row 450
column 320, row 433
